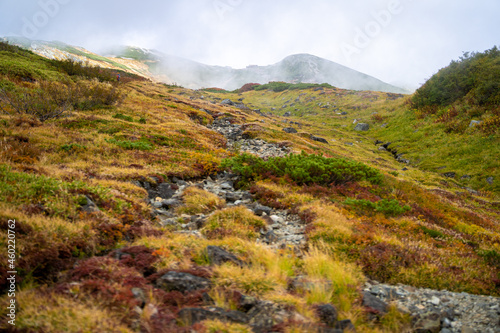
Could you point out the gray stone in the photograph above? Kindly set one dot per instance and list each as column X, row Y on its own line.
column 474, row 123
column 183, row 282
column 449, row 174
column 428, row 322
column 327, row 314
column 362, row 127
column 90, row 206
column 218, row 256
column 290, row 130
column 375, row 304
column 170, row 203
column 227, row 102
column 490, row 180
column 318, row 139
column 190, row 316
column 260, row 210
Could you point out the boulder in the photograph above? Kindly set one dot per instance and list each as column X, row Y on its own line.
column 227, row 101
column 287, row 114
column 183, row 282
column 290, row 130
column 362, row 127
column 260, row 210
column 190, row 316
column 317, row 138
column 218, row 256
column 375, row 305
column 328, row 314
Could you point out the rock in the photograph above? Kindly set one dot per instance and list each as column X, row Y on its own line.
column 362, row 127
column 140, row 296
column 190, row 316
column 90, row 206
column 345, row 325
column 467, row 329
column 228, row 185
column 328, row 314
column 218, row 256
column 449, row 174
column 490, row 180
column 287, row 114
column 474, row 123
column 317, row 138
column 260, row 210
column 170, row 203
column 434, row 300
column 382, row 149
column 290, row 130
column 183, row 282
column 227, row 101
column 428, row 322
column 374, row 304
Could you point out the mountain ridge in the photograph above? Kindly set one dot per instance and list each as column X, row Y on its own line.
column 170, row 69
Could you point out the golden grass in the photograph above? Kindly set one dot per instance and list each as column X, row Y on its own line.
column 234, row 221
column 197, row 201
column 50, row 312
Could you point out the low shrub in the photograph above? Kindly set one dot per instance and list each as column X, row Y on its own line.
column 303, row 169
column 384, row 206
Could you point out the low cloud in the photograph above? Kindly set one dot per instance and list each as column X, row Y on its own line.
column 407, row 46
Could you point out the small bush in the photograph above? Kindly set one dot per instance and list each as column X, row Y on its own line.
column 123, row 117
column 303, row 169
column 197, row 201
column 384, row 206
column 126, row 144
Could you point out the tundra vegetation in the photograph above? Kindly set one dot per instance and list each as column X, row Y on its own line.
column 71, row 137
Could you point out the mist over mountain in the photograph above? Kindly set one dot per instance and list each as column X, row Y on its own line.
column 298, row 68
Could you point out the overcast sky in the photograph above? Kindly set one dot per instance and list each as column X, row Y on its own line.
column 397, row 41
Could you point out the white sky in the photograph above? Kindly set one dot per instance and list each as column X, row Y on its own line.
column 398, row 41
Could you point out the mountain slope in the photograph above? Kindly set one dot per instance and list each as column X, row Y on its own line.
column 190, row 74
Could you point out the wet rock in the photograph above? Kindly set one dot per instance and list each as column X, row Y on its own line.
column 183, row 282
column 218, row 256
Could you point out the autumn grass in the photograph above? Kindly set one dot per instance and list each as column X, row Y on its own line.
column 50, row 312
column 197, row 201
column 235, row 221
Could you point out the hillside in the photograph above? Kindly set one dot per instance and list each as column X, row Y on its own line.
column 146, row 207
column 190, row 74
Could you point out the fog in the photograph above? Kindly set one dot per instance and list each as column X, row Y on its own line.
column 402, row 42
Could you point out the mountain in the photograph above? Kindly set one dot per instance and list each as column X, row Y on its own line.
column 138, row 206
column 194, row 75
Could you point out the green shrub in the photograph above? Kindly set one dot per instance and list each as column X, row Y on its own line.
column 126, row 144
column 47, row 101
column 384, row 206
column 303, row 169
column 123, row 117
